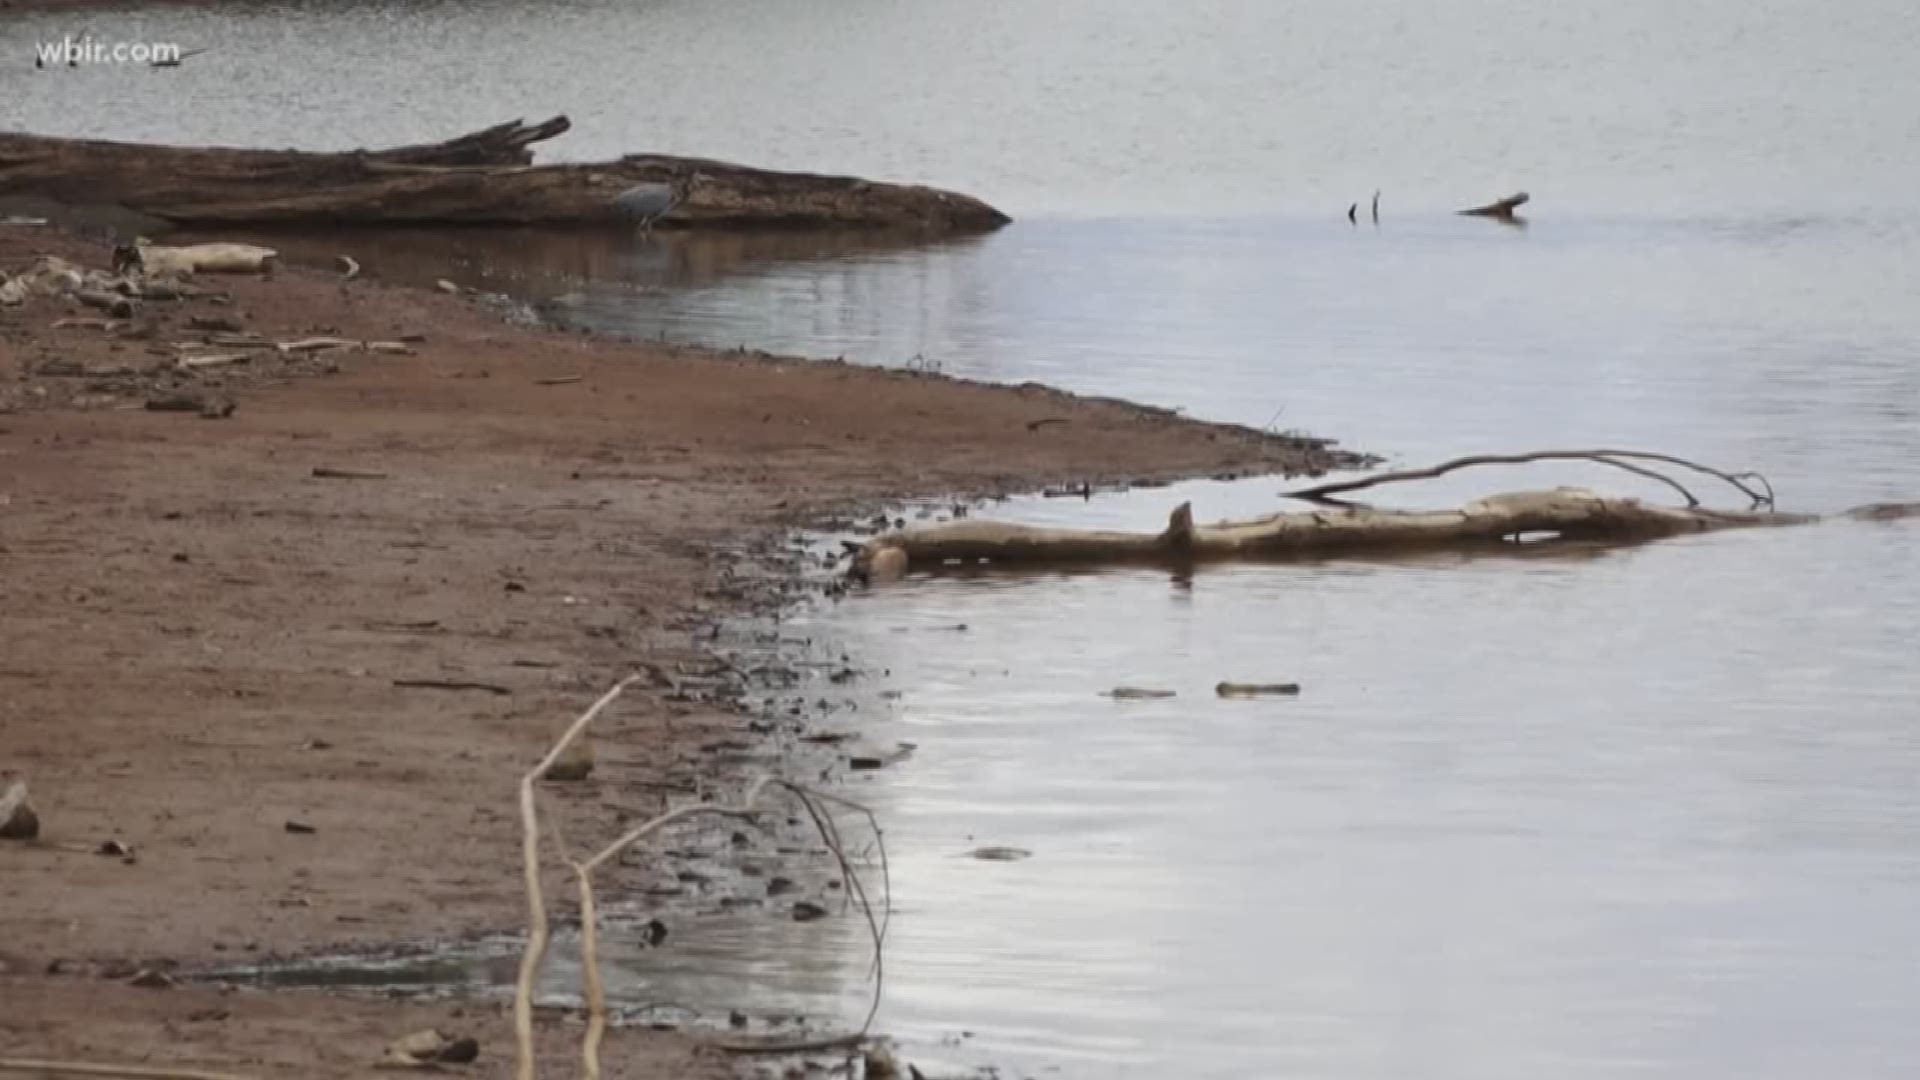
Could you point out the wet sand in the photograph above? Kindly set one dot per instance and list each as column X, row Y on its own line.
column 202, row 637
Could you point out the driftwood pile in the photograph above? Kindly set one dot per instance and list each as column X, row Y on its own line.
column 483, row 178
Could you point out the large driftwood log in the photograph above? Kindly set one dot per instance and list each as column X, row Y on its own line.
column 484, row 178
column 1563, row 514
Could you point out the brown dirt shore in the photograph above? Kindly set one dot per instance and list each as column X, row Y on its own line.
column 199, row 638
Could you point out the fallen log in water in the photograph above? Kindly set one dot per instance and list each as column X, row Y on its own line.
column 1493, row 523
column 484, row 178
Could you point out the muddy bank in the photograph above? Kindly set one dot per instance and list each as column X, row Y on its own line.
column 209, row 619
column 481, row 178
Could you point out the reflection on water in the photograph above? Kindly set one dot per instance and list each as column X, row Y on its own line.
column 1786, row 345
column 808, row 973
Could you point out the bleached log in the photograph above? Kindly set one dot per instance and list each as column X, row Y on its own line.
column 1562, row 514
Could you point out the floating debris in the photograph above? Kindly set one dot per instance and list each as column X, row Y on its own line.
column 1136, row 693
column 994, row 853
column 1236, row 689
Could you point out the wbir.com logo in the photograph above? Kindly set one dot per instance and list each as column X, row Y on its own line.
column 87, row 49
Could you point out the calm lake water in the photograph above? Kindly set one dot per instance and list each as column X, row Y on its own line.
column 1651, row 813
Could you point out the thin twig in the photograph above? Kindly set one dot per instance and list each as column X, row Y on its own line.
column 127, row 1072
column 451, row 684
column 1322, row 493
column 1640, row 470
column 854, row 886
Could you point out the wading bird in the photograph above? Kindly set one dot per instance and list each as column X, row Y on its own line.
column 644, row 204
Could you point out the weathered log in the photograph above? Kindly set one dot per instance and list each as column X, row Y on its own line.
column 501, row 144
column 1502, row 209
column 200, row 259
column 480, row 179
column 107, row 171
column 1494, row 523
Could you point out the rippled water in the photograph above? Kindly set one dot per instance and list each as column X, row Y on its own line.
column 1649, row 812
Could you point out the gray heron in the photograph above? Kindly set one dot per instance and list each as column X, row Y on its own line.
column 644, row 204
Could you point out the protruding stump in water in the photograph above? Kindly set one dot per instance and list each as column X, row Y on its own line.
column 1503, row 210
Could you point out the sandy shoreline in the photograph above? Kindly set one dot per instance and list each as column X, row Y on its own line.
column 202, row 637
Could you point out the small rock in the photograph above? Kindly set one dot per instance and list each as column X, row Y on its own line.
column 447, row 287
column 418, row 1048
column 888, row 564
column 808, row 911
column 149, row 979
column 461, row 1051
column 780, row 886
column 300, row 828
column 653, row 933
column 736, row 1019
column 881, row 1064
column 115, row 849
column 192, row 403
column 18, row 821
column 574, row 764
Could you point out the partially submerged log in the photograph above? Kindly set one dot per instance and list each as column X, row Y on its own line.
column 484, row 178
column 1494, row 523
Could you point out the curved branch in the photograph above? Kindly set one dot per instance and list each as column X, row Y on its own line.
column 1321, row 493
column 1641, row 470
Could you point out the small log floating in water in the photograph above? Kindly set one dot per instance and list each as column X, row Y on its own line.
column 1502, row 209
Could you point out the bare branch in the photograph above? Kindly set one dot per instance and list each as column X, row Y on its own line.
column 1651, row 474
column 1321, row 493
column 537, row 929
column 748, row 808
column 595, row 992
